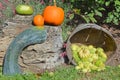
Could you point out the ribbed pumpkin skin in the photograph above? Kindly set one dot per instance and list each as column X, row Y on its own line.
column 53, row 15
column 38, row 20
column 30, row 36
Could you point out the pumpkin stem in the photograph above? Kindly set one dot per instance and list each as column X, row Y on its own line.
column 54, row 2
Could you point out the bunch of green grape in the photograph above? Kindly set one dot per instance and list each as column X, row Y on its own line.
column 88, row 57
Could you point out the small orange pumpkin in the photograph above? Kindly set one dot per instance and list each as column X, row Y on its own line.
column 53, row 15
column 38, row 20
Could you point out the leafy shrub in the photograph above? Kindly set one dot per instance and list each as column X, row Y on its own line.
column 113, row 15
column 93, row 10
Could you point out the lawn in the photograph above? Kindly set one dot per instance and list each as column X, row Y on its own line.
column 69, row 73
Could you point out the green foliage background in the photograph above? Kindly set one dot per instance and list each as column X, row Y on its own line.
column 87, row 11
column 95, row 10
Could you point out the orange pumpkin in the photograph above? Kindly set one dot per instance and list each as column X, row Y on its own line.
column 53, row 15
column 38, row 20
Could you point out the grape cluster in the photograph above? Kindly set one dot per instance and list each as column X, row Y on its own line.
column 88, row 57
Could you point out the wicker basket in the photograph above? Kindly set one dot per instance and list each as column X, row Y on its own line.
column 91, row 34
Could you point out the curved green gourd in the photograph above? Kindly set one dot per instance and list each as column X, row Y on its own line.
column 30, row 36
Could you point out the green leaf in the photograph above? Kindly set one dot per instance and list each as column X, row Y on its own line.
column 71, row 16
column 77, row 11
column 90, row 14
column 117, row 3
column 101, row 9
column 107, row 3
column 98, row 13
column 86, row 18
column 110, row 15
column 115, row 21
column 117, row 9
column 93, row 19
column 72, row 0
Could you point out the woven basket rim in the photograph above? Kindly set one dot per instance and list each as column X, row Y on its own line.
column 86, row 26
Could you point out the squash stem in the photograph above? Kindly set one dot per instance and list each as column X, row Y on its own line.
column 54, row 2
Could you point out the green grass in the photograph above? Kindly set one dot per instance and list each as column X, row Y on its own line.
column 69, row 73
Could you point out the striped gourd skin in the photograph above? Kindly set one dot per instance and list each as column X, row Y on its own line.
column 28, row 37
column 24, row 9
